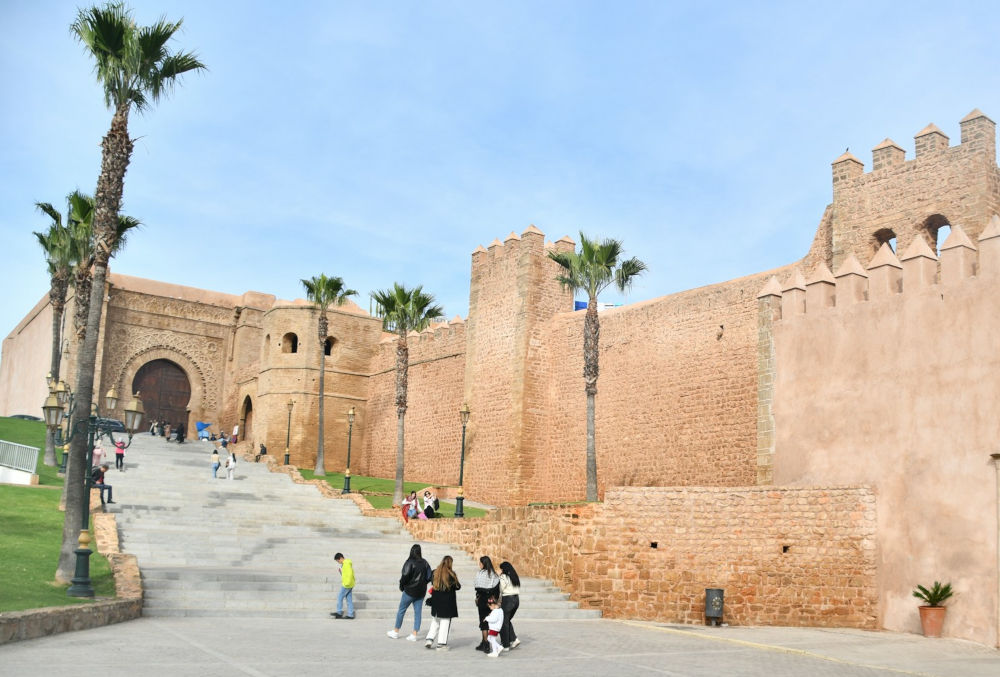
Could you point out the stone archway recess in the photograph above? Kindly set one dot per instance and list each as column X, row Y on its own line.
column 201, row 403
column 165, row 391
column 246, row 419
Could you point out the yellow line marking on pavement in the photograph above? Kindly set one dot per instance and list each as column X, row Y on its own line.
column 774, row 648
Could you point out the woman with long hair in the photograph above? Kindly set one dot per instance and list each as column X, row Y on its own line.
column 487, row 585
column 444, row 605
column 510, row 599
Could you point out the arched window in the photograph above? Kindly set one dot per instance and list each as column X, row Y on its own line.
column 290, row 343
column 937, row 229
column 883, row 236
column 328, row 345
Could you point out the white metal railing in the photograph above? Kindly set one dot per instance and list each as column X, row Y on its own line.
column 18, row 456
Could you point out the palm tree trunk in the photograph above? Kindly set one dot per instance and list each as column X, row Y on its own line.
column 320, row 458
column 116, row 150
column 591, row 341
column 402, row 375
column 397, row 494
column 83, row 396
column 83, row 285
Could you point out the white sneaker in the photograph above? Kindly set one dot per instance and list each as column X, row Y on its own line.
column 392, row 634
column 442, row 647
column 494, row 654
column 410, row 638
column 515, row 644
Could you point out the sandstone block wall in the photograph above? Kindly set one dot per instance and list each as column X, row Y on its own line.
column 294, row 376
column 676, row 397
column 435, row 394
column 956, row 185
column 784, row 556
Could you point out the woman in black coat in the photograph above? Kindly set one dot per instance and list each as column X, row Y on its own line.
column 443, row 604
column 487, row 585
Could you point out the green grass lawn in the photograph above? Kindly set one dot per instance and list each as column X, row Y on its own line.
column 31, row 534
column 29, row 551
column 379, row 491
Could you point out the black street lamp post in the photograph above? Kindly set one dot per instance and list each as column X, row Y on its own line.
column 460, row 500
column 288, row 430
column 54, row 412
column 347, row 474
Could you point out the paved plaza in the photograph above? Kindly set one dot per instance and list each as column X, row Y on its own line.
column 220, row 647
column 277, row 630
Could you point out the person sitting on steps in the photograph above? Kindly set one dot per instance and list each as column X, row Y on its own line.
column 97, row 481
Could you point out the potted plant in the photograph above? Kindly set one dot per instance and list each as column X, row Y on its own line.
column 932, row 613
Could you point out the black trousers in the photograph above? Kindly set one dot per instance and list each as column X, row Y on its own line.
column 509, row 605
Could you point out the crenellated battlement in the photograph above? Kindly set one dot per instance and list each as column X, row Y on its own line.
column 978, row 135
column 530, row 242
column 902, row 200
column 445, row 338
column 886, row 275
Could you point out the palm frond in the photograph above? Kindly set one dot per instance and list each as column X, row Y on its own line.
column 50, row 211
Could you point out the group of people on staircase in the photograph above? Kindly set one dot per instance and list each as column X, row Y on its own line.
column 497, row 597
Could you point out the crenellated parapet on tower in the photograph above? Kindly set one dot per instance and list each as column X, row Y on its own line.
column 900, row 199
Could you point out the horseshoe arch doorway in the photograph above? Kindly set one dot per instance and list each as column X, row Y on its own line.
column 164, row 390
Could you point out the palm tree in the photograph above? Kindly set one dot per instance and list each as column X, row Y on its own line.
column 403, row 310
column 324, row 291
column 56, row 244
column 134, row 68
column 81, row 225
column 593, row 269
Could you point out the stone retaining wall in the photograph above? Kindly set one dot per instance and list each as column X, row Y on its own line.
column 784, row 556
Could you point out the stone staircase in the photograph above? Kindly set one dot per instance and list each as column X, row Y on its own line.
column 261, row 545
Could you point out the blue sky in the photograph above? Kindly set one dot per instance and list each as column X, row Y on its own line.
column 384, row 141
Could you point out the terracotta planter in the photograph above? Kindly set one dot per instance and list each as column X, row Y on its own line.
column 932, row 620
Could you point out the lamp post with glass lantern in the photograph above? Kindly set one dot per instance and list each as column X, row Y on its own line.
column 347, row 473
column 53, row 411
column 288, row 430
column 64, row 396
column 460, row 499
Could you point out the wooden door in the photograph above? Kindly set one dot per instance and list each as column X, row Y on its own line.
column 165, row 392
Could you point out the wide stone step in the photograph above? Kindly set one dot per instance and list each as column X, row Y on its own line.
column 263, row 546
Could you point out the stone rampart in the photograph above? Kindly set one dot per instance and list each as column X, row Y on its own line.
column 887, row 375
column 784, row 556
column 435, row 394
column 676, row 398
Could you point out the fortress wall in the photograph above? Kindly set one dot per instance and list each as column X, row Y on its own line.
column 27, row 357
column 676, row 399
column 295, row 376
column 960, row 183
column 435, row 393
column 513, row 293
column 896, row 386
column 803, row 556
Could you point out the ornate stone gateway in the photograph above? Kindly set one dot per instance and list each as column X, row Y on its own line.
column 165, row 392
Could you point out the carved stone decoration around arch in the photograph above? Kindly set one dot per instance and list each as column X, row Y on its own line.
column 204, row 400
column 129, row 347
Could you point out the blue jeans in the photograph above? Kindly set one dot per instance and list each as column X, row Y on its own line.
column 418, row 608
column 345, row 593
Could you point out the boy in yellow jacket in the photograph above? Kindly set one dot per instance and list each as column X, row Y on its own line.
column 346, row 587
